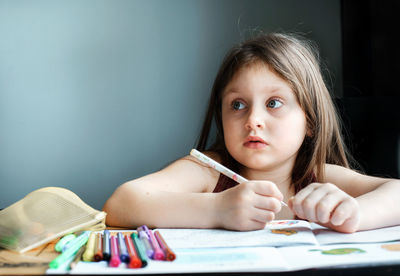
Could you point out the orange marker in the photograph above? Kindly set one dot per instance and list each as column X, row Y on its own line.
column 135, row 261
column 98, row 251
column 169, row 255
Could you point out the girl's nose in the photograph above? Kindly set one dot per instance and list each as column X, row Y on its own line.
column 255, row 120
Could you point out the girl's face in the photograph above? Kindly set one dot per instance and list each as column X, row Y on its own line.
column 263, row 123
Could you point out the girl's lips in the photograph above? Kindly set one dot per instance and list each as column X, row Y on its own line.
column 255, row 145
column 255, row 142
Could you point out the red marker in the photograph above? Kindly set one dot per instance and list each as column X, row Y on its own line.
column 115, row 260
column 135, row 261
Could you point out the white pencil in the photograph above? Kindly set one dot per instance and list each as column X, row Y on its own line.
column 222, row 169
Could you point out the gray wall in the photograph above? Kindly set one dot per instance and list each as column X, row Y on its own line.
column 95, row 93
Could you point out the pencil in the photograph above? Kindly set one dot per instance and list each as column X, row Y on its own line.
column 218, row 167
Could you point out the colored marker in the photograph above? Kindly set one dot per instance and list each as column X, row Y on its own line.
column 98, row 255
column 77, row 257
column 135, row 261
column 63, row 241
column 169, row 255
column 158, row 253
column 220, row 168
column 144, row 238
column 78, row 242
column 106, row 245
column 139, row 249
column 71, row 242
column 89, row 252
column 114, row 260
column 123, row 251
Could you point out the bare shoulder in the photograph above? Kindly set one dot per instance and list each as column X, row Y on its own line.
column 351, row 181
column 196, row 171
column 186, row 174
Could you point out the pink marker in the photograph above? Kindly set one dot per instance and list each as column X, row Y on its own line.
column 158, row 253
column 115, row 260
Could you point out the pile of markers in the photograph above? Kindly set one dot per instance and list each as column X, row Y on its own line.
column 134, row 249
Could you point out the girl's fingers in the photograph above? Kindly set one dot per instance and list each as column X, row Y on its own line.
column 263, row 216
column 297, row 200
column 344, row 211
column 327, row 205
column 310, row 203
column 266, row 188
column 267, row 203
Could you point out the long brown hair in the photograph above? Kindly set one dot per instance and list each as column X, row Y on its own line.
column 295, row 60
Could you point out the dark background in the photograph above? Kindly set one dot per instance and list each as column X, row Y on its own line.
column 370, row 102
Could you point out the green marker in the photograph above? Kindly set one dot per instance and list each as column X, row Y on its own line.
column 67, row 254
column 63, row 241
column 140, row 249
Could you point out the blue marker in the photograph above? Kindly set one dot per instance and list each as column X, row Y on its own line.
column 106, row 245
column 123, row 250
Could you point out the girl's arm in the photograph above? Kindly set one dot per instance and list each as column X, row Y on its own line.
column 378, row 198
column 172, row 197
column 348, row 201
column 181, row 196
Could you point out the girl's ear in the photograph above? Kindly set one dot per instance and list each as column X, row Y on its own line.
column 309, row 133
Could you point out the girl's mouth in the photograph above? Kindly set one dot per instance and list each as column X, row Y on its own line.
column 255, row 142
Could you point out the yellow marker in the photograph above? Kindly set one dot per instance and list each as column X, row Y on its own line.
column 89, row 252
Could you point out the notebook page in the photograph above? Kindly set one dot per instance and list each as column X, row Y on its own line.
column 276, row 233
column 327, row 236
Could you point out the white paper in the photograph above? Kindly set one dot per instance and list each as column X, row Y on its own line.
column 277, row 233
column 305, row 257
column 327, row 236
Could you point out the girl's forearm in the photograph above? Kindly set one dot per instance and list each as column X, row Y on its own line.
column 380, row 207
column 134, row 207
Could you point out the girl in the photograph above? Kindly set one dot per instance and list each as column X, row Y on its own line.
column 276, row 125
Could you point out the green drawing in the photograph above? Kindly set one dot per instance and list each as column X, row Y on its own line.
column 340, row 251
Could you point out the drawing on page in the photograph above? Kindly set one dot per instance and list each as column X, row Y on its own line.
column 339, row 251
column 287, row 232
column 391, row 247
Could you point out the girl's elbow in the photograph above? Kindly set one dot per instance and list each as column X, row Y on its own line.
column 112, row 217
column 114, row 208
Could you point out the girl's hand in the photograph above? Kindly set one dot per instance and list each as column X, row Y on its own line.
column 248, row 206
column 327, row 205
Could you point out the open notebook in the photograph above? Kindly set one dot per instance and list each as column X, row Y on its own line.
column 278, row 233
column 286, row 245
column 43, row 215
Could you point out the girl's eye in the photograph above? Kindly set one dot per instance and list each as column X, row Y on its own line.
column 274, row 104
column 236, row 105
